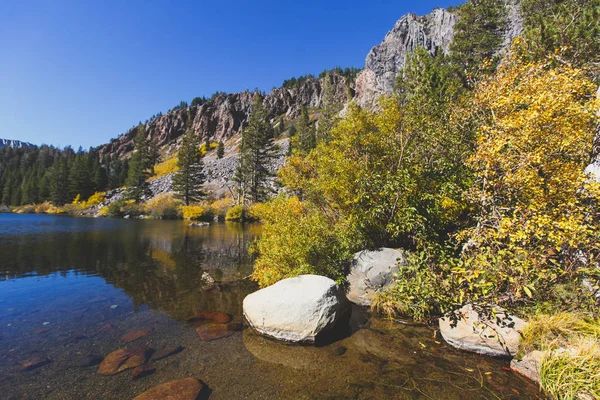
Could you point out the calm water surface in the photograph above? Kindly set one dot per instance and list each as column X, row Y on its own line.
column 72, row 287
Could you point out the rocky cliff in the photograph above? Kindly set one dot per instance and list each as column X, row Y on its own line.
column 226, row 114
column 433, row 31
column 15, row 144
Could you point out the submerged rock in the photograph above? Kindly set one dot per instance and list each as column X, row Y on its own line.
column 166, row 352
column 141, row 371
column 182, row 389
column 216, row 317
column 34, row 363
column 467, row 329
column 210, row 332
column 199, row 224
column 372, row 272
column 297, row 309
column 135, row 335
column 124, row 359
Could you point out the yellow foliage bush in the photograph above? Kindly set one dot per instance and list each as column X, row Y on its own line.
column 236, row 214
column 43, row 208
column 166, row 167
column 197, row 212
column 163, row 206
column 95, row 199
column 296, row 239
column 220, row 207
column 538, row 211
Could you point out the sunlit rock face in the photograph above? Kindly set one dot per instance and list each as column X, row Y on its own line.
column 297, row 309
column 433, row 32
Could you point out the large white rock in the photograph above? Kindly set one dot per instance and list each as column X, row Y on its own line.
column 470, row 331
column 371, row 272
column 296, row 309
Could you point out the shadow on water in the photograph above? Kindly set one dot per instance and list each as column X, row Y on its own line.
column 72, row 289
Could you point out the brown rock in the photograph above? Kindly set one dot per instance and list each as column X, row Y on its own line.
column 141, row 371
column 124, row 359
column 34, row 363
column 135, row 335
column 210, row 332
column 182, row 389
column 214, row 317
column 40, row 331
column 529, row 365
column 166, row 352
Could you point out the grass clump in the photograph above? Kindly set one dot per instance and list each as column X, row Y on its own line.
column 571, row 367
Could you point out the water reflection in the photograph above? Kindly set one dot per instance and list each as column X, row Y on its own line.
column 158, row 263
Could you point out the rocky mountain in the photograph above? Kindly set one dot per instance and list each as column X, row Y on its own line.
column 15, row 144
column 433, row 31
column 224, row 116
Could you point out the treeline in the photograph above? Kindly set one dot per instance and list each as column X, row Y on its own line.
column 46, row 173
column 350, row 73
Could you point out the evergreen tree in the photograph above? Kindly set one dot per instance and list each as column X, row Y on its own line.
column 60, row 182
column 478, row 35
column 207, row 143
column 221, row 149
column 188, row 180
column 80, row 182
column 257, row 152
column 305, row 133
column 141, row 166
column 330, row 107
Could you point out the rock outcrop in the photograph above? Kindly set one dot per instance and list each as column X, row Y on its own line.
column 297, row 309
column 226, row 114
column 529, row 365
column 467, row 329
column 15, row 144
column 433, row 31
column 371, row 272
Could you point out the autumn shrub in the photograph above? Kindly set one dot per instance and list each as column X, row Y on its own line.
column 198, row 212
column 121, row 208
column 220, row 207
column 163, row 206
column 95, row 199
column 237, row 213
column 166, row 167
column 297, row 239
column 43, row 207
column 26, row 209
column 534, row 240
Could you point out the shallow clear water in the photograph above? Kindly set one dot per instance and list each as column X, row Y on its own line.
column 72, row 287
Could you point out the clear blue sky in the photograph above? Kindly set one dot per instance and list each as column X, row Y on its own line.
column 79, row 72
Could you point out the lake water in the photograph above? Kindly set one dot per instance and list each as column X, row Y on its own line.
column 71, row 288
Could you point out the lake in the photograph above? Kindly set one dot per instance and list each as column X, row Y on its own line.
column 73, row 290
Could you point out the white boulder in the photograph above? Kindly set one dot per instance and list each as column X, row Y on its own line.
column 371, row 272
column 471, row 331
column 297, row 309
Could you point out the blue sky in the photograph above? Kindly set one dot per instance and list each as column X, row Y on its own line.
column 80, row 72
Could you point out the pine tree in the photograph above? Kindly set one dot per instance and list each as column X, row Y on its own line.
column 221, row 149
column 188, row 181
column 329, row 109
column 257, row 152
column 305, row 133
column 80, row 182
column 141, row 166
column 478, row 35
column 59, row 182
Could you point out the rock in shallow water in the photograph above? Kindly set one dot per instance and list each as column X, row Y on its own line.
column 207, row 317
column 371, row 272
column 297, row 309
column 88, row 361
column 124, row 359
column 467, row 330
column 210, row 332
column 529, row 365
column 141, row 371
column 182, row 389
column 135, row 335
column 34, row 363
column 166, row 352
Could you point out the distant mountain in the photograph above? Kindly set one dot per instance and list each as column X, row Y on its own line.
column 15, row 144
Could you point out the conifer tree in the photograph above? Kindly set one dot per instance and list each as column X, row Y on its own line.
column 141, row 167
column 207, row 144
column 188, row 180
column 305, row 132
column 221, row 149
column 329, row 109
column 478, row 35
column 257, row 152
